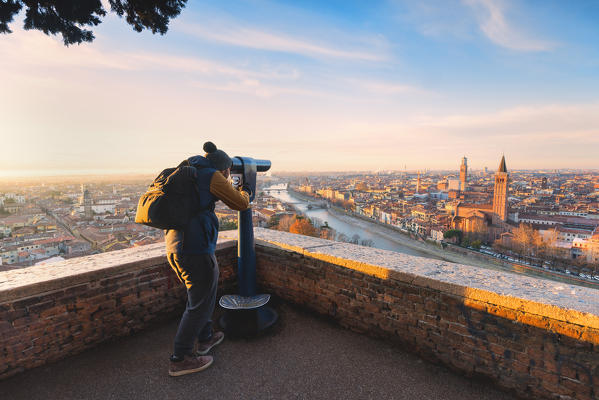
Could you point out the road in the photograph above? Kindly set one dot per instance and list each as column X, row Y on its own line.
column 64, row 225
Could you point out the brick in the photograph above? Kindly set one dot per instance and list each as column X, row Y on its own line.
column 56, row 310
column 20, row 322
column 590, row 336
column 581, row 390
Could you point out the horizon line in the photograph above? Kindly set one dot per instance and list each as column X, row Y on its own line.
column 112, row 173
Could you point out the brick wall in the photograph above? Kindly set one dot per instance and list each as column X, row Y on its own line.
column 534, row 350
column 46, row 320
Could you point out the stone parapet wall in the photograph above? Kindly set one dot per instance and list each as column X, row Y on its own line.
column 53, row 311
column 537, row 338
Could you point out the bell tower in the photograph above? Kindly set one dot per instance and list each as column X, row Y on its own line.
column 500, row 192
column 463, row 173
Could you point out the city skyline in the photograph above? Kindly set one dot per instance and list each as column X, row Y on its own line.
column 332, row 87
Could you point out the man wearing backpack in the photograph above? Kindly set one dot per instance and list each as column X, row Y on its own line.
column 190, row 253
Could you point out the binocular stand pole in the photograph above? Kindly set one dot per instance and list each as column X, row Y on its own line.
column 247, row 313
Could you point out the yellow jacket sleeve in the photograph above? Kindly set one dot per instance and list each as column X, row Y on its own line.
column 236, row 199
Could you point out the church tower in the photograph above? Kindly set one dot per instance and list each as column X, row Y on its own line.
column 418, row 183
column 463, row 173
column 86, row 201
column 500, row 192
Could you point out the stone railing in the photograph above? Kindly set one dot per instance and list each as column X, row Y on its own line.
column 536, row 338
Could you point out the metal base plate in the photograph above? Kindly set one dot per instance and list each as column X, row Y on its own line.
column 248, row 323
column 238, row 302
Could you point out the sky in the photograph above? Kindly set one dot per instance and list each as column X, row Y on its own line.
column 311, row 86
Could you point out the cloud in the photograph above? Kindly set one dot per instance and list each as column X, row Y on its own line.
column 31, row 49
column 43, row 61
column 384, row 88
column 255, row 87
column 546, row 135
column 34, row 49
column 435, row 18
column 540, row 121
column 492, row 21
column 270, row 41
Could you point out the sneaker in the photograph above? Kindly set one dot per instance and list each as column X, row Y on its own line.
column 204, row 347
column 189, row 365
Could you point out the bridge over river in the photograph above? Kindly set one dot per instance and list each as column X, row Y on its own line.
column 281, row 189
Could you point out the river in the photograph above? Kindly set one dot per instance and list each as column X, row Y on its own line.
column 384, row 239
column 347, row 225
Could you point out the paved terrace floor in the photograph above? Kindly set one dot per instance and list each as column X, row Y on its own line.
column 304, row 357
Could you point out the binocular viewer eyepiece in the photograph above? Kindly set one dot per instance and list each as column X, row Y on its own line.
column 240, row 163
column 244, row 169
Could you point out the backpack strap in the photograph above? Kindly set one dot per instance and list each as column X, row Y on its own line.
column 186, row 163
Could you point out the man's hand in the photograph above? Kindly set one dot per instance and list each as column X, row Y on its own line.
column 246, row 188
column 236, row 181
column 231, row 196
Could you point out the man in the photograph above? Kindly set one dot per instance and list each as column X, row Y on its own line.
column 190, row 253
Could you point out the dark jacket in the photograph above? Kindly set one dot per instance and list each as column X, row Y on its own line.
column 200, row 235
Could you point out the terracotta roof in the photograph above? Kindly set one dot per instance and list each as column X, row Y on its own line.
column 477, row 206
column 54, row 239
column 14, row 219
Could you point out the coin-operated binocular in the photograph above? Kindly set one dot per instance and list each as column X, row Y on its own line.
column 247, row 313
column 243, row 172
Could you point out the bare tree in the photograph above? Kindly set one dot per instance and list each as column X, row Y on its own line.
column 551, row 240
column 285, row 222
column 367, row 242
column 342, row 237
column 523, row 239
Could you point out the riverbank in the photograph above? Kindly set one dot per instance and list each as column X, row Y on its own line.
column 433, row 250
column 402, row 238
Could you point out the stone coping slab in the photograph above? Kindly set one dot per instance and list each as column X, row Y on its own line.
column 30, row 281
column 560, row 301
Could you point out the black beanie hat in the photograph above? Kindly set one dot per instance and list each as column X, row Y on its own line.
column 218, row 158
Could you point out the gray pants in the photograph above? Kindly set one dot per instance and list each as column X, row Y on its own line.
column 199, row 273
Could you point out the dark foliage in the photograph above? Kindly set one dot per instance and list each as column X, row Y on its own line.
column 8, row 9
column 148, row 14
column 453, row 233
column 70, row 18
column 224, row 225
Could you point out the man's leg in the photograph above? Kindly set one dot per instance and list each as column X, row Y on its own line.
column 206, row 331
column 200, row 275
column 207, row 339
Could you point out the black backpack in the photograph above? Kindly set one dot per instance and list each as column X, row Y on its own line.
column 171, row 200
